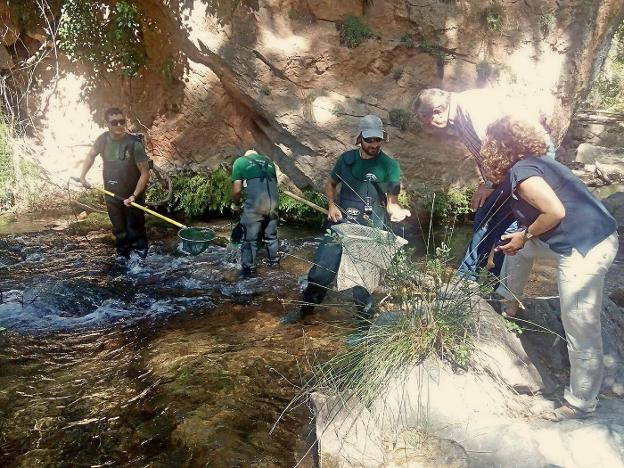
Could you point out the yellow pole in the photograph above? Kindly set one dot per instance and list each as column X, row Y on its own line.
column 306, row 202
column 140, row 207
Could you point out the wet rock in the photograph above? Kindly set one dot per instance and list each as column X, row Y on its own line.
column 39, row 458
column 615, row 205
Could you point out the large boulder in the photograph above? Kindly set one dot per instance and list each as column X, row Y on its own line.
column 494, row 424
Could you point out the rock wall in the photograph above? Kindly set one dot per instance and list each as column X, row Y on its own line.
column 273, row 75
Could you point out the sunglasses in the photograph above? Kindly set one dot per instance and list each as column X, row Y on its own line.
column 116, row 122
column 372, row 140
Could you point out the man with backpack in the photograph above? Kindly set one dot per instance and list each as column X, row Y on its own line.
column 255, row 174
column 126, row 173
column 370, row 185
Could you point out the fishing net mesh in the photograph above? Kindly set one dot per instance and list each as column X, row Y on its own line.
column 195, row 240
column 366, row 254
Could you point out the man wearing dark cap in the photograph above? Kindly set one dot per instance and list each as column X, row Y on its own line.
column 370, row 185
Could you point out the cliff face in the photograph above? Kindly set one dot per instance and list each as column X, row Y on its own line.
column 226, row 76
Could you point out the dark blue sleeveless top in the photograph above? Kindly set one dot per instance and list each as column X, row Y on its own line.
column 586, row 223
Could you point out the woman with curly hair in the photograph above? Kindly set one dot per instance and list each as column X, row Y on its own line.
column 561, row 220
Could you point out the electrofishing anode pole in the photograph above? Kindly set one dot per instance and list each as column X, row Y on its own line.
column 136, row 205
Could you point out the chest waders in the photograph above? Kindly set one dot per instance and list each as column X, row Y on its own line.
column 259, row 219
column 362, row 202
column 121, row 176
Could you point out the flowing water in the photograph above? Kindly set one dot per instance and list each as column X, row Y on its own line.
column 168, row 361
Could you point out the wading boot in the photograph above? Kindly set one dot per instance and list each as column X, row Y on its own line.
column 296, row 315
column 248, row 272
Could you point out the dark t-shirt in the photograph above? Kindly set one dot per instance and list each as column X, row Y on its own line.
column 383, row 167
column 244, row 167
column 125, row 148
column 120, row 171
column 586, row 223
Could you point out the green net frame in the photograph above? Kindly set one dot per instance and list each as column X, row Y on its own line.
column 195, row 239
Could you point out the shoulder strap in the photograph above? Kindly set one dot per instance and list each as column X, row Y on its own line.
column 350, row 157
column 263, row 165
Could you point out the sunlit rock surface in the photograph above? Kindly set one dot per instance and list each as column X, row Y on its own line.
column 481, row 409
column 273, row 75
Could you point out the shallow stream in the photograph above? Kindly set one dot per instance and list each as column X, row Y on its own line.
column 171, row 360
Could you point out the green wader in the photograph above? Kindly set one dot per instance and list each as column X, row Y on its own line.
column 260, row 217
column 361, row 202
column 121, row 177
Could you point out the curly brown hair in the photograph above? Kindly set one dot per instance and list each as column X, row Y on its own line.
column 508, row 141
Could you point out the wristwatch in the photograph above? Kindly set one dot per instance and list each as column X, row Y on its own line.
column 527, row 234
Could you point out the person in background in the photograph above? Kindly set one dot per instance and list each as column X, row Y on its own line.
column 563, row 221
column 126, row 173
column 370, row 185
column 469, row 114
column 255, row 175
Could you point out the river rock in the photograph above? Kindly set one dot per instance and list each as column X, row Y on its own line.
column 588, row 153
column 615, row 204
column 496, row 425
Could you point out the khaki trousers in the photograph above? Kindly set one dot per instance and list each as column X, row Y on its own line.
column 581, row 282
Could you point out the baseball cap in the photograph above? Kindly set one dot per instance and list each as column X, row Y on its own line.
column 371, row 126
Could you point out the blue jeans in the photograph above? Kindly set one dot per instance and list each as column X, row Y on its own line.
column 491, row 221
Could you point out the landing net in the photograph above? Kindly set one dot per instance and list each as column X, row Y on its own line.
column 366, row 254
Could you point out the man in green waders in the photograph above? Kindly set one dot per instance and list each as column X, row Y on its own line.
column 370, row 185
column 126, row 173
column 256, row 175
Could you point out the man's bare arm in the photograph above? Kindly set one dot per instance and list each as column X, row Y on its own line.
column 334, row 214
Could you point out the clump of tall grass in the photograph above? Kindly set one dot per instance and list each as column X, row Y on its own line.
column 428, row 311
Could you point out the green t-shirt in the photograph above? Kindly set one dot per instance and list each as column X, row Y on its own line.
column 123, row 149
column 244, row 168
column 384, row 168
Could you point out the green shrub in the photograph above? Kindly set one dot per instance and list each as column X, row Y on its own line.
column 450, row 204
column 295, row 211
column 397, row 73
column 406, row 198
column 7, row 171
column 92, row 198
column 353, row 32
column 408, row 40
column 167, row 69
column 400, row 118
column 607, row 92
column 547, row 21
column 106, row 38
column 264, row 89
column 194, row 194
column 432, row 49
column 338, row 110
column 493, row 18
column 428, row 312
